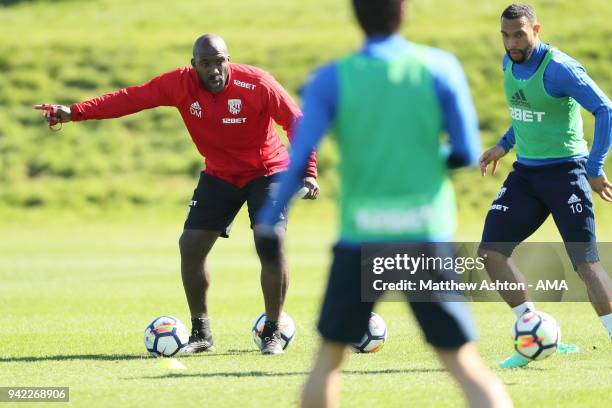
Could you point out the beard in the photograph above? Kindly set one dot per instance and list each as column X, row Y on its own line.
column 519, row 56
column 215, row 83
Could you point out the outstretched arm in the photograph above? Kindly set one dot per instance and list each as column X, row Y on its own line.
column 156, row 92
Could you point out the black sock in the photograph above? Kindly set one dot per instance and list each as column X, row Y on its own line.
column 270, row 326
column 200, row 327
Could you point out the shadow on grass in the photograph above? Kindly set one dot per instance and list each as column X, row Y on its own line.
column 283, row 374
column 99, row 357
column 231, row 352
column 113, row 357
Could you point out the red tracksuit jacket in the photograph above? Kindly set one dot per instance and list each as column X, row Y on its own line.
column 233, row 129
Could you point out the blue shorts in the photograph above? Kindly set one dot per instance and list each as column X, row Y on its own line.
column 529, row 195
column 344, row 317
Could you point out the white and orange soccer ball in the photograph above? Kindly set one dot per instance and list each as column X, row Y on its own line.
column 536, row 335
column 165, row 336
column 374, row 338
column 286, row 325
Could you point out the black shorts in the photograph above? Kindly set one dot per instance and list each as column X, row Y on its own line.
column 529, row 195
column 216, row 202
column 344, row 317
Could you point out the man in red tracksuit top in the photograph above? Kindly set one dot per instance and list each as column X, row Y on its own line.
column 228, row 110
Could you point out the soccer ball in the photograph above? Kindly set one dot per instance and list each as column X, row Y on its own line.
column 536, row 335
column 165, row 336
column 286, row 326
column 374, row 338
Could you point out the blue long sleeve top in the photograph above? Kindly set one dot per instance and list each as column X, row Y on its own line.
column 563, row 77
column 320, row 101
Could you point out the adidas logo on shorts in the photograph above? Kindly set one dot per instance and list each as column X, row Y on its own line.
column 574, row 199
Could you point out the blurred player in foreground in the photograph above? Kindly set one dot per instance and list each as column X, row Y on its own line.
column 388, row 103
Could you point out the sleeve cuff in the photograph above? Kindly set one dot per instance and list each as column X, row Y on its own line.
column 505, row 145
column 311, row 173
column 311, row 168
column 594, row 171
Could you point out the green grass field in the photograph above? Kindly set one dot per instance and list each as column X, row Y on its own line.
column 90, row 216
column 77, row 293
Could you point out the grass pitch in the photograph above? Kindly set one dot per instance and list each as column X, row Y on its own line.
column 76, row 291
column 77, row 294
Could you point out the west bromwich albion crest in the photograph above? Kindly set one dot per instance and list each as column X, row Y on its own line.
column 234, row 106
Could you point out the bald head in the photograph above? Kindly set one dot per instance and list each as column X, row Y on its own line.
column 209, row 44
column 211, row 61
